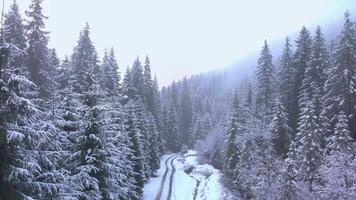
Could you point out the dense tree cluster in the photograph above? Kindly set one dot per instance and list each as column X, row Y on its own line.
column 75, row 129
column 72, row 129
column 310, row 132
column 289, row 131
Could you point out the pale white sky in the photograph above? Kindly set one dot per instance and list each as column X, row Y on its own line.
column 183, row 37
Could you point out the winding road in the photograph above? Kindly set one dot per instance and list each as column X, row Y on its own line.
column 169, row 170
column 172, row 173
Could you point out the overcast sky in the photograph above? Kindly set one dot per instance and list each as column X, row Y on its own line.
column 183, row 37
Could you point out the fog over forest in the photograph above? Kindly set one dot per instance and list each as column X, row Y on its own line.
column 279, row 124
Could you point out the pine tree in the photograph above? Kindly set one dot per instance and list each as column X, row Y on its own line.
column 137, row 81
column 340, row 86
column 186, row 113
column 286, row 78
column 301, row 59
column 20, row 142
column 340, row 140
column 84, row 61
column 232, row 151
column 149, row 87
column 109, row 77
column 157, row 101
column 280, row 130
column 120, row 179
column 249, row 96
column 14, row 33
column 89, row 153
column 37, row 50
column 338, row 167
column 136, row 149
column 265, row 81
column 308, row 144
column 319, row 62
column 173, row 138
column 290, row 189
column 154, row 144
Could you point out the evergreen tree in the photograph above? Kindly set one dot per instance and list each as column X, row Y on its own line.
column 173, row 138
column 232, row 151
column 109, row 77
column 290, row 188
column 337, row 171
column 20, row 142
column 84, row 61
column 249, row 97
column 301, row 59
column 308, row 144
column 149, row 87
column 89, row 154
column 265, row 81
column 157, row 101
column 137, row 81
column 319, row 61
column 136, row 149
column 280, row 130
column 286, row 79
column 340, row 94
column 120, row 179
column 341, row 140
column 14, row 33
column 186, row 113
column 37, row 50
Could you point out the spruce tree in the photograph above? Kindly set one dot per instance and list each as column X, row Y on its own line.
column 137, row 81
column 37, row 50
column 186, row 113
column 135, row 146
column 109, row 77
column 14, row 33
column 20, row 141
column 337, row 169
column 308, row 144
column 340, row 94
column 249, row 97
column 84, row 61
column 280, row 130
column 232, row 151
column 120, row 180
column 301, row 59
column 173, row 137
column 265, row 81
column 319, row 61
column 285, row 77
column 149, row 87
column 89, row 149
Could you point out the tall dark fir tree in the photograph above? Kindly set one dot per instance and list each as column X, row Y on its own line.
column 37, row 50
column 265, row 81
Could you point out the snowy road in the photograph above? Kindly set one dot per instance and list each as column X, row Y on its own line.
column 169, row 169
column 181, row 178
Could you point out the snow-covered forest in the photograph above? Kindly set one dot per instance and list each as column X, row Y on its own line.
column 285, row 131
column 78, row 129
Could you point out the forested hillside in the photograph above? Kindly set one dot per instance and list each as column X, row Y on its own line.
column 284, row 129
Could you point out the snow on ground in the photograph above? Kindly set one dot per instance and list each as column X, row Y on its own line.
column 191, row 181
column 210, row 187
column 183, row 184
column 152, row 186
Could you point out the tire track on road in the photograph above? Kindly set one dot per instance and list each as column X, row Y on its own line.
column 171, row 178
column 159, row 194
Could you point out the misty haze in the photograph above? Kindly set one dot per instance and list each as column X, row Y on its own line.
column 178, row 100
